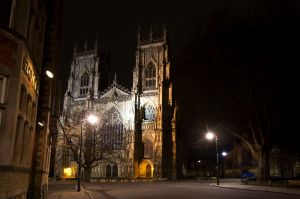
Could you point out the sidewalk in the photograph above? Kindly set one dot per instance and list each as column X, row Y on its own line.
column 237, row 185
column 66, row 190
column 67, row 195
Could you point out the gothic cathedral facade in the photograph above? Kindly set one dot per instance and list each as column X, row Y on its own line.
column 135, row 129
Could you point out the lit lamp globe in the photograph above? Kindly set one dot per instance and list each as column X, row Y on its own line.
column 210, row 135
column 92, row 119
column 49, row 74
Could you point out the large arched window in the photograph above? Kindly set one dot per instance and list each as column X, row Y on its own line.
column 84, row 84
column 150, row 77
column 149, row 113
column 113, row 130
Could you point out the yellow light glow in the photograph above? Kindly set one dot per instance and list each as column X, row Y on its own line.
column 67, row 172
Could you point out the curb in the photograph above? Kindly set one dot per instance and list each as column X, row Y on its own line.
column 89, row 194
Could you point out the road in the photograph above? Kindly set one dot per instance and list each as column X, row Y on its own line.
column 176, row 190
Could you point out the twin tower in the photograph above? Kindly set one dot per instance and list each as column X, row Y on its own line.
column 137, row 123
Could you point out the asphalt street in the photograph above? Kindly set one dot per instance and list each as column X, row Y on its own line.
column 177, row 190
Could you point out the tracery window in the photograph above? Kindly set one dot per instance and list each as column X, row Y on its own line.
column 113, row 130
column 148, row 149
column 150, row 77
column 149, row 113
column 84, row 84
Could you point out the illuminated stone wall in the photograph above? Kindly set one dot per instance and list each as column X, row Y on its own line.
column 147, row 109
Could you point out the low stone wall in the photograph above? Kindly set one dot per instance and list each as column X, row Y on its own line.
column 13, row 184
column 121, row 179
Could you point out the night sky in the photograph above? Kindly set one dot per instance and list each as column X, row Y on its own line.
column 214, row 44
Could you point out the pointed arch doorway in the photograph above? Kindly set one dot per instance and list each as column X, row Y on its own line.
column 148, row 171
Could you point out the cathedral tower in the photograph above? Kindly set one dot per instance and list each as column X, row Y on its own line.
column 89, row 73
column 152, row 85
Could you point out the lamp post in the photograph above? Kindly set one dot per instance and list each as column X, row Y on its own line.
column 211, row 136
column 222, row 164
column 92, row 119
column 79, row 158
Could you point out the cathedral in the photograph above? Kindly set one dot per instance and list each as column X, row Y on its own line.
column 134, row 133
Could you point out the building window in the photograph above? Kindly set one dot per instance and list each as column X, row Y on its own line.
column 18, row 141
column 148, row 149
column 150, row 77
column 23, row 99
column 5, row 13
column 33, row 113
column 29, row 108
column 84, row 84
column 2, row 95
column 149, row 113
column 112, row 131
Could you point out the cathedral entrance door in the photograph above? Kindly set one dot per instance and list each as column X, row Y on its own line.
column 108, row 171
column 148, row 171
column 115, row 171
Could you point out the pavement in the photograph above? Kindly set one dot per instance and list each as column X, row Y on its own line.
column 226, row 184
column 66, row 190
column 239, row 185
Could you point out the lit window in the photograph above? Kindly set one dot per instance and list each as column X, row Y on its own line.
column 149, row 113
column 84, row 84
column 150, row 77
column 148, row 149
column 113, row 130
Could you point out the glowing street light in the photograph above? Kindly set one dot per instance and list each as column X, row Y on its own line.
column 92, row 119
column 211, row 136
column 224, row 153
column 49, row 74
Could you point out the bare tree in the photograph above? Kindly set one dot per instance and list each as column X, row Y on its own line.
column 243, row 76
column 92, row 144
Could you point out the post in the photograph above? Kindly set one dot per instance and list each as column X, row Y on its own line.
column 79, row 159
column 218, row 169
column 94, row 141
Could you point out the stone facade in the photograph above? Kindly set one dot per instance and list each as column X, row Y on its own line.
column 138, row 124
column 22, row 48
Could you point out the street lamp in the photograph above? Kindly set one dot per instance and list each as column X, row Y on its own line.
column 91, row 119
column 222, row 163
column 224, row 153
column 211, row 136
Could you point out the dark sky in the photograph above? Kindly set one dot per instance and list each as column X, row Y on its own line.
column 214, row 43
column 116, row 24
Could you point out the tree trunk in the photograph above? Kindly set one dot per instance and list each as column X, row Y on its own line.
column 263, row 166
column 87, row 173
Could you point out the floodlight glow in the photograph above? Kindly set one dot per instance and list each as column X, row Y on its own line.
column 67, row 172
